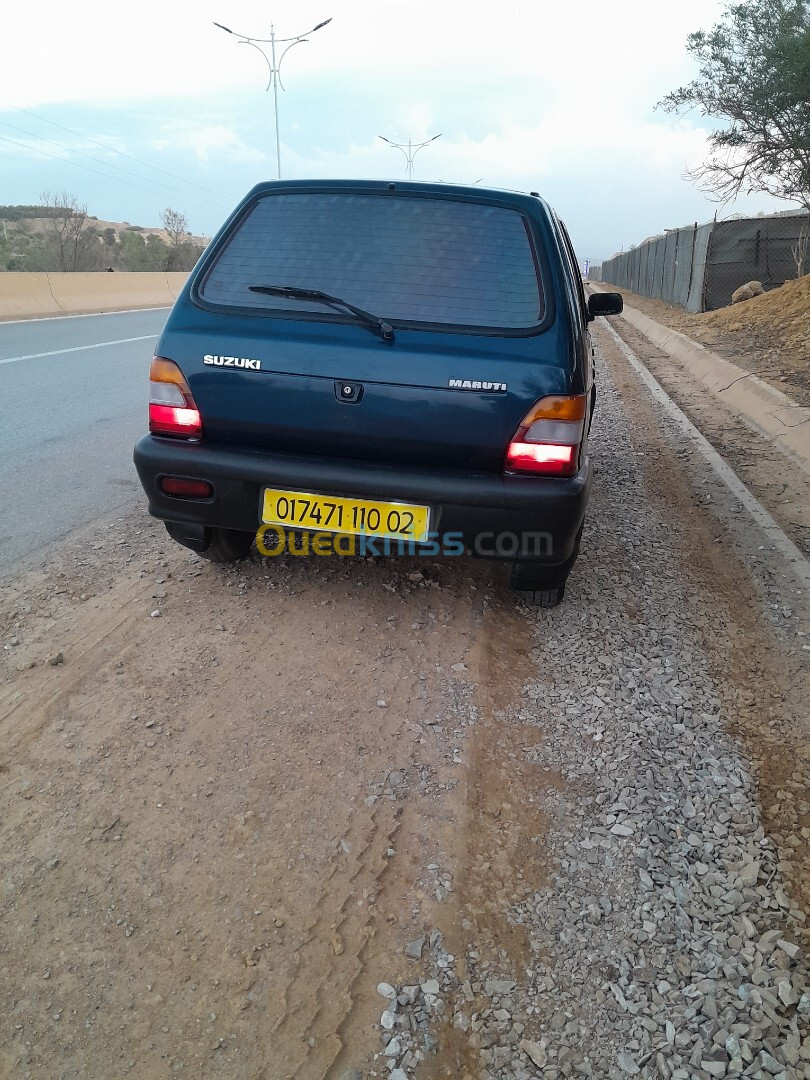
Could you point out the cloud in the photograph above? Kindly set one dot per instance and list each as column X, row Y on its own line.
column 214, row 141
column 535, row 51
column 527, row 94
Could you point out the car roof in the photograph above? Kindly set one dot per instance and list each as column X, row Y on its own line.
column 504, row 196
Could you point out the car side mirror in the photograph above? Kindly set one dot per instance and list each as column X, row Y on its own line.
column 606, row 303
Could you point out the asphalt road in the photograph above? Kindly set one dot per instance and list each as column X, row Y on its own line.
column 73, row 401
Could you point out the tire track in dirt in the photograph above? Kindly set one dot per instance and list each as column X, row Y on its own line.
column 101, row 639
column 195, row 781
column 308, row 1031
column 498, row 829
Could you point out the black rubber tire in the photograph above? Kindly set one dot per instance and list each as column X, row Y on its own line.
column 546, row 589
column 227, row 546
column 544, row 598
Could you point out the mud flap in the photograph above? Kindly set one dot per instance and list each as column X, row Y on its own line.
column 196, row 537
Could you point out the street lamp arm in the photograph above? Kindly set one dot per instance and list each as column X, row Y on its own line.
column 395, row 146
column 300, row 37
column 297, row 41
column 412, row 149
column 273, row 64
column 279, row 41
column 244, row 37
column 247, row 41
column 427, row 142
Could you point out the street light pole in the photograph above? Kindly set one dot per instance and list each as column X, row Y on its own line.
column 411, row 151
column 274, row 70
column 274, row 65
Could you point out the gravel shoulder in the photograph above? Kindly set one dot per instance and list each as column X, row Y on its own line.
column 779, row 482
column 362, row 819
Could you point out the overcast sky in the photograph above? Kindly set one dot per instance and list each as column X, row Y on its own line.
column 547, row 96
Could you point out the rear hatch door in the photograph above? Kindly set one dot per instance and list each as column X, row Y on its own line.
column 463, row 282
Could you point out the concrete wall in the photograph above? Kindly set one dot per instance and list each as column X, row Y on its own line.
column 700, row 266
column 25, row 295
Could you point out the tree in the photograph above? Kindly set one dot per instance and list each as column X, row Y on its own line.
column 133, row 252
column 75, row 242
column 182, row 251
column 754, row 74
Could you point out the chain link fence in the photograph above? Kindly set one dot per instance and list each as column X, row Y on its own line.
column 698, row 267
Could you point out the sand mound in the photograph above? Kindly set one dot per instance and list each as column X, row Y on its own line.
column 768, row 335
column 782, row 314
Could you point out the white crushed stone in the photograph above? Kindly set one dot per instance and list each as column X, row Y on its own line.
column 664, row 944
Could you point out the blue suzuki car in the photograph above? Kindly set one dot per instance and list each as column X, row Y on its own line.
column 405, row 366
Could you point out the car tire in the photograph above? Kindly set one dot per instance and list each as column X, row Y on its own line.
column 544, row 598
column 544, row 589
column 227, row 546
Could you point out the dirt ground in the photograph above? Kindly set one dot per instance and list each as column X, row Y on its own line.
column 230, row 797
column 225, row 812
column 768, row 335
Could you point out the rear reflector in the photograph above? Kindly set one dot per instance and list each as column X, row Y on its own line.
column 547, row 443
column 186, row 488
column 172, row 409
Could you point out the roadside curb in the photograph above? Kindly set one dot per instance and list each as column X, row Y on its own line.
column 762, row 407
column 799, row 565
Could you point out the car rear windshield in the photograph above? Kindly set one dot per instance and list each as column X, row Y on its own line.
column 406, row 259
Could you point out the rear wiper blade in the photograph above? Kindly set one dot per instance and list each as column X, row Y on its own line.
column 385, row 329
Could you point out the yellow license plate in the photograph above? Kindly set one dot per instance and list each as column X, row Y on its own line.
column 351, row 517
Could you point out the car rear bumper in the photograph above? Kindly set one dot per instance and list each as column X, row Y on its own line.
column 520, row 518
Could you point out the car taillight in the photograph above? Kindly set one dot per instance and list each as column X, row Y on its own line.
column 172, row 409
column 548, row 439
